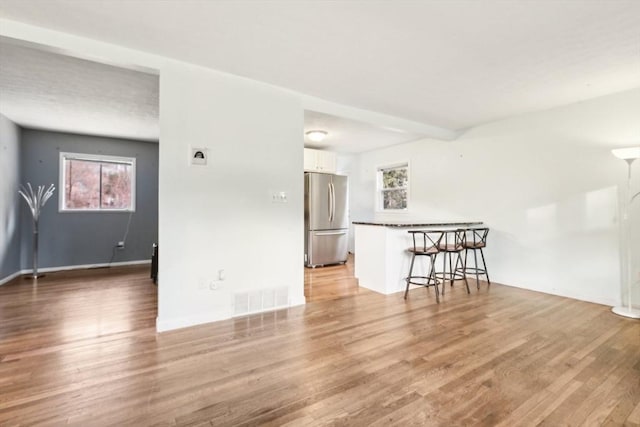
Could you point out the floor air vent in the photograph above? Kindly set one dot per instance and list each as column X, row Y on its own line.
column 260, row 300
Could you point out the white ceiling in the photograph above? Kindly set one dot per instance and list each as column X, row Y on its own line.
column 45, row 90
column 352, row 136
column 452, row 64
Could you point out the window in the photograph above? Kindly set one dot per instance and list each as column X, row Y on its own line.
column 97, row 183
column 393, row 186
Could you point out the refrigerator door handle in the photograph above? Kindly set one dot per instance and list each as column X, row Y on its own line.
column 330, row 204
column 333, row 202
column 330, row 233
column 333, row 195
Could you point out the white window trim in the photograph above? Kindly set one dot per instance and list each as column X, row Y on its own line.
column 96, row 158
column 379, row 200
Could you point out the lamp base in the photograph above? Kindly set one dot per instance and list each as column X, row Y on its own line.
column 32, row 277
column 626, row 312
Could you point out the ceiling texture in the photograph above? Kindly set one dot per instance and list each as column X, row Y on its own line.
column 451, row 64
column 46, row 90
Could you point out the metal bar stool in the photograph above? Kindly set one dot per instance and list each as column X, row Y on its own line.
column 425, row 243
column 452, row 243
column 474, row 240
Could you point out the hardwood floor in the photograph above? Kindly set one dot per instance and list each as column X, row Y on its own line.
column 80, row 348
column 335, row 281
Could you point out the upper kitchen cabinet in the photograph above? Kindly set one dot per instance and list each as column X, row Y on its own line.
column 320, row 161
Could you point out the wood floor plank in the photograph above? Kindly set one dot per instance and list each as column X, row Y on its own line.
column 80, row 348
column 634, row 416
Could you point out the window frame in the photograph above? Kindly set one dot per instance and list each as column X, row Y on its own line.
column 100, row 158
column 380, row 190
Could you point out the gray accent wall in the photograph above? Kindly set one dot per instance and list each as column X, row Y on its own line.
column 9, row 203
column 80, row 238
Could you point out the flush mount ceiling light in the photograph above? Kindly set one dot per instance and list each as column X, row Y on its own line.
column 316, row 135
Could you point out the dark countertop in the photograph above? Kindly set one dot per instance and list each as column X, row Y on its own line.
column 400, row 224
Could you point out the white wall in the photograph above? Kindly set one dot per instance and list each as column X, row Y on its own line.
column 9, row 202
column 221, row 216
column 546, row 184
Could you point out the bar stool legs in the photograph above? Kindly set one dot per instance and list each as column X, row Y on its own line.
column 454, row 273
column 408, row 279
column 429, row 280
column 425, row 243
column 452, row 244
column 484, row 266
column 475, row 240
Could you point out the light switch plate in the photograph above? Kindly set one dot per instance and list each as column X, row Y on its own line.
column 279, row 197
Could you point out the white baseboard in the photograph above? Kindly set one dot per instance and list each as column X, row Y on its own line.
column 10, row 277
column 602, row 300
column 163, row 325
column 88, row 266
column 297, row 300
column 73, row 267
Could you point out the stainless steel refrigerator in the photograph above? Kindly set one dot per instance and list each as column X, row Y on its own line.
column 326, row 219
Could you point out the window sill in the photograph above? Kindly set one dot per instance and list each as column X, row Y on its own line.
column 96, row 210
column 392, row 211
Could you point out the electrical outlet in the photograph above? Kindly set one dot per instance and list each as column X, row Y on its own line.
column 120, row 245
column 213, row 285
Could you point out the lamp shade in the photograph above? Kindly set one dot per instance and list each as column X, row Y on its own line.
column 627, row 153
column 316, row 135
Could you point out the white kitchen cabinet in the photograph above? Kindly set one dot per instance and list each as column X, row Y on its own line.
column 309, row 160
column 320, row 161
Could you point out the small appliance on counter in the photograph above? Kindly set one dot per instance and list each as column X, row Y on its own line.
column 326, row 219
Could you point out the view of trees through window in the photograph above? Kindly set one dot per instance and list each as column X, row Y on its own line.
column 394, row 182
column 97, row 185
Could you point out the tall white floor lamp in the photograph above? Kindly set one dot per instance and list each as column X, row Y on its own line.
column 628, row 155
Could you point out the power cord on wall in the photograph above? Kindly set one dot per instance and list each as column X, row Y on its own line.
column 124, row 240
column 126, row 233
column 113, row 254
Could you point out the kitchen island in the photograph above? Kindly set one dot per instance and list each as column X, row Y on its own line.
column 381, row 257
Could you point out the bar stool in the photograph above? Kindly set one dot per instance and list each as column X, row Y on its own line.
column 452, row 243
column 475, row 239
column 425, row 243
